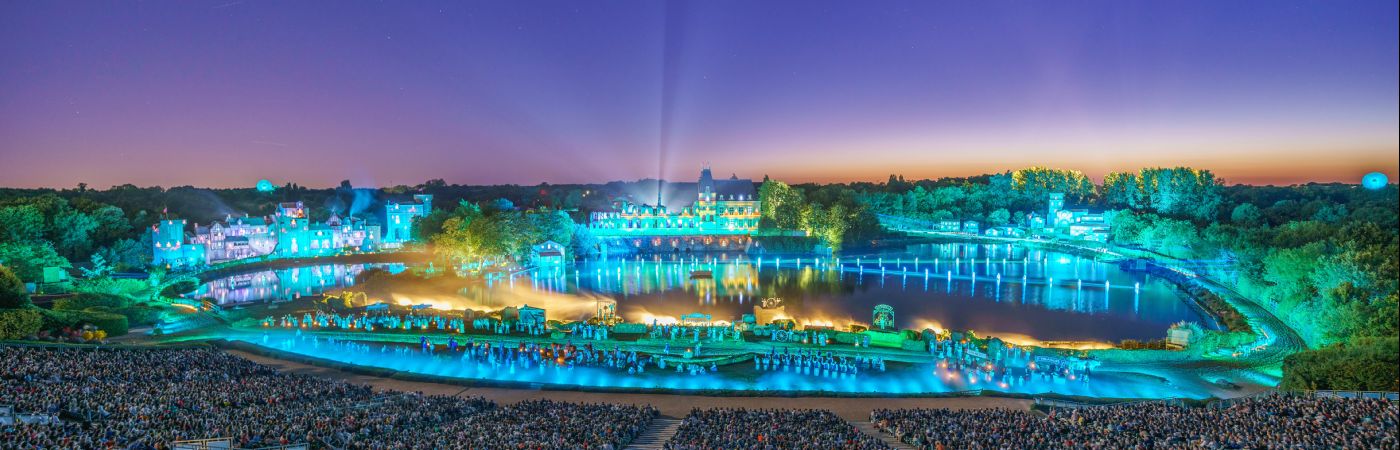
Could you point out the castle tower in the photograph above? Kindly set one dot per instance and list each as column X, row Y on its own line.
column 705, row 205
column 1056, row 203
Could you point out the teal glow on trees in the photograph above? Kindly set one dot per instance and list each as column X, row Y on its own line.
column 266, row 186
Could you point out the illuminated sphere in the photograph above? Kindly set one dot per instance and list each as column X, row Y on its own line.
column 1374, row 181
column 265, row 186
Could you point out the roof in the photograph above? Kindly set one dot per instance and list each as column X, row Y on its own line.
column 678, row 196
column 246, row 220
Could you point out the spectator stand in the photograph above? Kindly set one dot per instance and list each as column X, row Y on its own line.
column 1047, row 403
column 226, row 444
column 1391, row 396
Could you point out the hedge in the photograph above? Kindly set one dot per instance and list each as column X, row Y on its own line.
column 1365, row 365
column 140, row 314
column 20, row 323
column 135, row 314
column 114, row 324
column 87, row 300
column 178, row 289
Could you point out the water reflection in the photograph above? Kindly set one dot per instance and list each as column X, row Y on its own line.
column 284, row 284
column 993, row 289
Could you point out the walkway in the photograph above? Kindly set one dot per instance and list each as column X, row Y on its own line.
column 654, row 437
column 889, row 439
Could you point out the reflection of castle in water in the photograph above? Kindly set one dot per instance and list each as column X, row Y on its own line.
column 958, row 285
column 284, row 284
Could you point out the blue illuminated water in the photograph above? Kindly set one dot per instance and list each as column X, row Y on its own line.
column 1041, row 294
column 1062, row 297
column 284, row 283
column 899, row 379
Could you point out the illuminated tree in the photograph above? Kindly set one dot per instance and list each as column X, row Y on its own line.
column 1039, row 182
column 1181, row 191
column 21, row 224
column 780, row 206
column 999, row 217
column 1246, row 214
column 12, row 291
column 29, row 260
column 71, row 233
column 1122, row 189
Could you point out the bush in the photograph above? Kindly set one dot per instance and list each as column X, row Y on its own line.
column 1134, row 344
column 114, row 324
column 135, row 314
column 787, row 244
column 117, row 286
column 12, row 292
column 19, row 323
column 1365, row 365
column 57, row 320
column 138, row 315
column 83, row 301
column 178, row 289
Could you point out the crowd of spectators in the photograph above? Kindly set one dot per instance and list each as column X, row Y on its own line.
column 546, row 424
column 149, row 398
column 1267, row 422
column 768, row 429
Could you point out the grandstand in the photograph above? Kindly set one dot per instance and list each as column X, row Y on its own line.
column 205, row 399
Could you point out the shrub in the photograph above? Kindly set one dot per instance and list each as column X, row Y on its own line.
column 12, row 292
column 1365, row 365
column 57, row 320
column 178, row 289
column 114, row 324
column 87, row 300
column 118, row 286
column 19, row 323
column 140, row 314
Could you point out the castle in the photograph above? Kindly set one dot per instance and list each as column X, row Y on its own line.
column 1077, row 223
column 288, row 233
column 721, row 207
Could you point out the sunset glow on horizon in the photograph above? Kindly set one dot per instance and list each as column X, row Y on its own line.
column 222, row 94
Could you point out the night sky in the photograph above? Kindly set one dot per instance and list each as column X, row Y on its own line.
column 226, row 92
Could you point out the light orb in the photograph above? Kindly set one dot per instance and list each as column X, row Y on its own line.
column 265, row 186
column 1374, row 181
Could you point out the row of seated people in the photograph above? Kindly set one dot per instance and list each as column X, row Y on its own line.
column 768, row 429
column 150, row 398
column 1267, row 422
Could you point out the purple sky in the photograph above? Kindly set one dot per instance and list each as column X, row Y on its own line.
column 224, row 93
